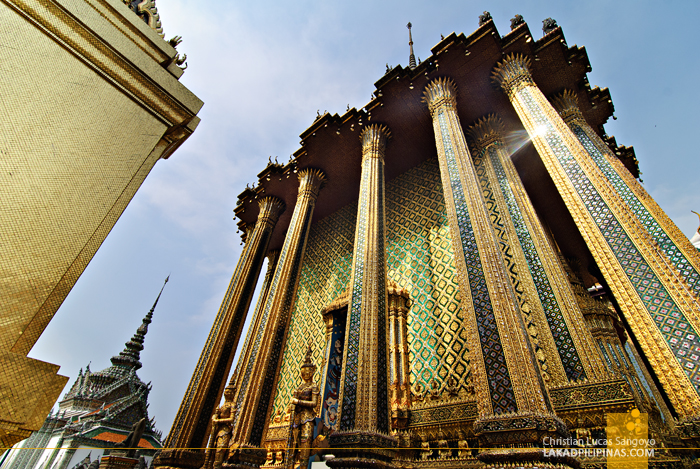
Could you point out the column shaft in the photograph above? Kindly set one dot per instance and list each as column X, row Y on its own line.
column 669, row 239
column 257, row 375
column 660, row 309
column 364, row 384
column 272, row 258
column 509, row 390
column 365, row 407
column 206, row 387
column 559, row 322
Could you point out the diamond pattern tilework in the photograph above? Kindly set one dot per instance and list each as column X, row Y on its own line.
column 665, row 243
column 498, row 376
column 420, row 259
column 324, row 275
column 562, row 338
column 670, row 320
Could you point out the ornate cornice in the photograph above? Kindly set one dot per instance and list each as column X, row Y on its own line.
column 440, row 93
column 513, row 74
column 147, row 11
column 486, row 131
column 566, row 105
column 148, row 83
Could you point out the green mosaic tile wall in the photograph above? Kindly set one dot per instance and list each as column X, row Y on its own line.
column 419, row 258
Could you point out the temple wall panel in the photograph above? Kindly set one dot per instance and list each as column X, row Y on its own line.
column 419, row 259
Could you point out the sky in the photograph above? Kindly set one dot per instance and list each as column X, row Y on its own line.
column 263, row 69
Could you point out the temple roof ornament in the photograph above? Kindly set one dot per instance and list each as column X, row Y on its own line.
column 411, row 57
column 147, row 11
column 549, row 25
column 566, row 104
column 440, row 92
column 516, row 21
column 485, row 18
column 486, row 131
column 695, row 240
column 513, row 73
column 129, row 357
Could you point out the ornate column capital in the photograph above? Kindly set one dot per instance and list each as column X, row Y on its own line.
column 270, row 209
column 566, row 105
column 486, row 131
column 374, row 139
column 310, row 182
column 440, row 93
column 513, row 74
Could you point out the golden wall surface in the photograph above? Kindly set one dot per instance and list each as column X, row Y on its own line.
column 86, row 115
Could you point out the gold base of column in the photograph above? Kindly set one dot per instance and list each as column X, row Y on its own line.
column 245, row 456
column 530, row 458
column 362, row 449
column 522, row 430
column 178, row 459
column 689, row 432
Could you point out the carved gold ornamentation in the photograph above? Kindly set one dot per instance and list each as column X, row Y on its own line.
column 364, row 418
column 400, row 389
column 303, row 406
column 220, row 431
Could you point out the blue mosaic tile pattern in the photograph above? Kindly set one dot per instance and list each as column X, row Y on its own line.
column 670, row 320
column 419, row 258
column 665, row 243
column 347, row 416
column 354, row 323
column 499, row 381
column 382, row 385
column 605, row 355
column 562, row 338
column 643, row 378
column 244, row 379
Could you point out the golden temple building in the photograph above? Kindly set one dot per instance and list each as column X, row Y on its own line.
column 465, row 272
column 91, row 101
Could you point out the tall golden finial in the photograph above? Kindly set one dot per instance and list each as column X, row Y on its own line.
column 411, row 58
column 698, row 214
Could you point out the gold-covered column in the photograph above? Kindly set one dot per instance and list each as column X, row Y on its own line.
column 207, row 384
column 542, row 277
column 364, row 410
column 670, row 240
column 257, row 375
column 254, row 326
column 510, row 393
column 662, row 312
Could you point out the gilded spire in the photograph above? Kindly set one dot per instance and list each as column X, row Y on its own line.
column 411, row 58
column 129, row 357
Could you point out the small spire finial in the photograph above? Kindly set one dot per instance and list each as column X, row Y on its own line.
column 131, row 354
column 411, row 57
